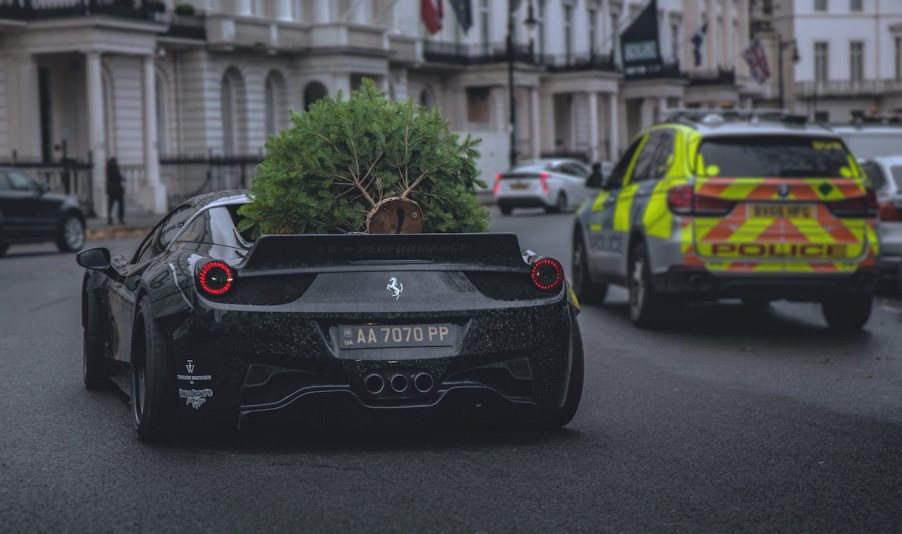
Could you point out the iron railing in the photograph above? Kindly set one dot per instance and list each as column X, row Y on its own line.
column 26, row 10
column 187, row 176
column 480, row 54
column 67, row 176
column 719, row 77
column 664, row 71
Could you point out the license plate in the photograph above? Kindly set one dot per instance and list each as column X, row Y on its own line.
column 382, row 336
column 519, row 186
column 781, row 211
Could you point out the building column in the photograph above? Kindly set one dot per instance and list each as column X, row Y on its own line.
column 662, row 107
column 535, row 121
column 96, row 134
column 283, row 10
column 548, row 123
column 243, row 8
column 709, row 61
column 152, row 196
column 594, row 151
column 613, row 108
column 646, row 113
column 321, row 12
column 25, row 108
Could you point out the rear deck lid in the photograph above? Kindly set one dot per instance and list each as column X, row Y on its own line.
column 778, row 201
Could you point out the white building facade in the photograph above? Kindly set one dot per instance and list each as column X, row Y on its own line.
column 849, row 57
column 162, row 90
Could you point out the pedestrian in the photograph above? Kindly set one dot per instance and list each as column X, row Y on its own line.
column 115, row 190
column 596, row 178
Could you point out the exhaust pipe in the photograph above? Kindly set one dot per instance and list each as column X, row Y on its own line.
column 398, row 383
column 374, row 384
column 423, row 382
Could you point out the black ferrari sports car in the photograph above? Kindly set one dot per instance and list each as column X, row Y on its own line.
column 205, row 325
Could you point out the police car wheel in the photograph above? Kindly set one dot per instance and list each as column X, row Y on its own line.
column 506, row 210
column 561, row 204
column 153, row 380
column 847, row 313
column 586, row 290
column 645, row 304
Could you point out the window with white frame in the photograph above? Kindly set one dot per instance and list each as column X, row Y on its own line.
column 593, row 29
column 820, row 5
column 856, row 61
column 820, row 61
column 675, row 42
column 568, row 32
column 484, row 24
column 615, row 34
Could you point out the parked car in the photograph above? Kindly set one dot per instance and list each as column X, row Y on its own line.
column 553, row 184
column 885, row 177
column 29, row 213
column 710, row 207
column 203, row 324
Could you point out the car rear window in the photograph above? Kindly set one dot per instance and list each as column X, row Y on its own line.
column 780, row 156
column 896, row 170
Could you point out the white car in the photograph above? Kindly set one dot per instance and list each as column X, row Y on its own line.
column 885, row 176
column 553, row 184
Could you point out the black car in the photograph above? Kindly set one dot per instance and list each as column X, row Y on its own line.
column 31, row 214
column 203, row 325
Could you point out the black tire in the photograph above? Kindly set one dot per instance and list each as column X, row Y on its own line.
column 153, row 379
column 560, row 205
column 551, row 418
column 3, row 248
column 586, row 290
column 71, row 234
column 646, row 306
column 847, row 313
column 94, row 365
column 505, row 210
column 755, row 304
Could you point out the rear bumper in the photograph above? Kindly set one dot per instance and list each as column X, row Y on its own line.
column 703, row 285
column 276, row 367
column 523, row 202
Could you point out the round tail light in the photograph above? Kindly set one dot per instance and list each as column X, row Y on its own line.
column 215, row 278
column 547, row 274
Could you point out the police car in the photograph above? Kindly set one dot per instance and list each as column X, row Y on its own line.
column 756, row 206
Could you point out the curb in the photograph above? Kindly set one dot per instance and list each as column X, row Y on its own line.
column 115, row 233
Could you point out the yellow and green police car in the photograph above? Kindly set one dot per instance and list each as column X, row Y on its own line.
column 744, row 205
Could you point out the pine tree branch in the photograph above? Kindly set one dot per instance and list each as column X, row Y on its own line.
column 415, row 183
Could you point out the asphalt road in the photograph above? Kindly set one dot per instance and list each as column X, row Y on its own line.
column 727, row 420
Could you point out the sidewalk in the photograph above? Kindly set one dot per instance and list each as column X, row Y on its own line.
column 136, row 225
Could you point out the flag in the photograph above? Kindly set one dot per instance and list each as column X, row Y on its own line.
column 639, row 41
column 464, row 12
column 431, row 15
column 756, row 57
column 697, row 41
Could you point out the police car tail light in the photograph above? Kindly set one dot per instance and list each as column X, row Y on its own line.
column 889, row 212
column 682, row 200
column 543, row 177
column 858, row 207
column 215, row 278
column 679, row 199
column 497, row 183
column 547, row 274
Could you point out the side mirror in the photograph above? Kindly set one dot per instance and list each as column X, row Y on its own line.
column 98, row 259
column 95, row 259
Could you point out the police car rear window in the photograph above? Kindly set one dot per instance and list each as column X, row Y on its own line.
column 779, row 156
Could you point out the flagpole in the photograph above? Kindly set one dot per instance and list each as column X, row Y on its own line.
column 510, row 84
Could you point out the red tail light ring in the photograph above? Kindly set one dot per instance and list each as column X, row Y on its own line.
column 547, row 274
column 215, row 278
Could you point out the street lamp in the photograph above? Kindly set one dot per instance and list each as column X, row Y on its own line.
column 782, row 45
column 530, row 23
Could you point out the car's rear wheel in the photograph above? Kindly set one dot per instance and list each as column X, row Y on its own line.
column 847, row 313
column 153, row 379
column 71, row 234
column 586, row 290
column 94, row 365
column 560, row 204
column 3, row 248
column 506, row 210
column 557, row 417
column 647, row 306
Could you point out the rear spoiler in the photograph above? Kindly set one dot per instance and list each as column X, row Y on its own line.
column 313, row 252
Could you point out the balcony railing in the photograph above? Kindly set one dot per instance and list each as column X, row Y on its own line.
column 584, row 62
column 665, row 71
column 718, row 77
column 27, row 11
column 844, row 88
column 483, row 54
column 187, row 27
